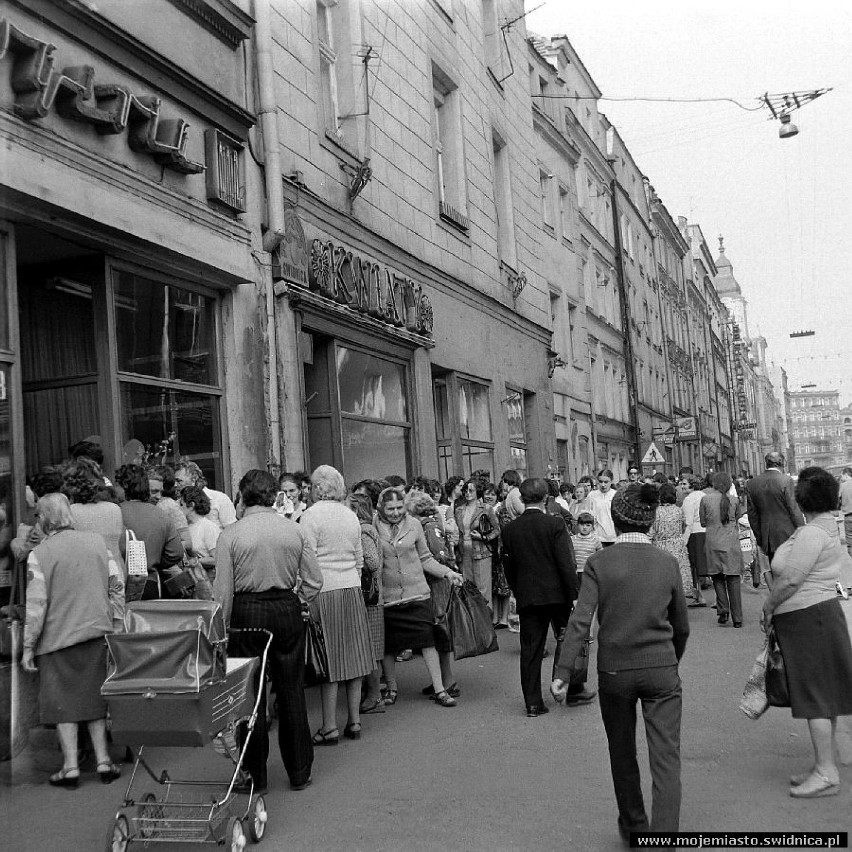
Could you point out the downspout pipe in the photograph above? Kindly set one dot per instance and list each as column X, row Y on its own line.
column 629, row 356
column 268, row 114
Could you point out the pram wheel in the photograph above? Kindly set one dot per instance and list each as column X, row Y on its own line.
column 236, row 835
column 119, row 835
column 150, row 814
column 257, row 820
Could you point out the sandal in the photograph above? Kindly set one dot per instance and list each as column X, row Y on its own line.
column 815, row 786
column 444, row 699
column 352, row 731
column 453, row 690
column 371, row 705
column 108, row 772
column 326, row 738
column 390, row 696
column 64, row 778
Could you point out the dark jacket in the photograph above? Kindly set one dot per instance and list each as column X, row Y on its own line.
column 538, row 559
column 772, row 509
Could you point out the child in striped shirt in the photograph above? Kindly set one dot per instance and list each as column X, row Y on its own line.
column 585, row 541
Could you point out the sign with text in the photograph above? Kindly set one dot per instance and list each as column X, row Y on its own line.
column 687, row 428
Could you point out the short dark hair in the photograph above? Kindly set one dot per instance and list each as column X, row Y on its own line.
column 685, row 469
column 133, row 478
column 289, row 477
column 87, row 450
column 668, row 494
column 49, row 481
column 450, row 485
column 511, row 477
column 166, row 474
column 258, row 488
column 533, row 490
column 81, row 483
column 605, row 472
column 478, row 483
column 395, row 481
column 552, row 487
column 195, row 495
column 816, row 490
column 372, row 488
column 774, row 459
column 363, row 506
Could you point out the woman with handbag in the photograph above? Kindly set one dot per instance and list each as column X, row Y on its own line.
column 478, row 527
column 371, row 589
column 333, row 531
column 804, row 608
column 409, row 620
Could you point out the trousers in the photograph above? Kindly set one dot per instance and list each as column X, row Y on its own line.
column 659, row 691
column 534, row 623
column 278, row 611
column 729, row 595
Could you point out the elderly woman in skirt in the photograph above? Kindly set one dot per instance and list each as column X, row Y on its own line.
column 804, row 608
column 362, row 506
column 75, row 596
column 409, row 620
column 333, row 530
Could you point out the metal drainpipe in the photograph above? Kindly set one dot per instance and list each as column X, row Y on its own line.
column 625, row 323
column 268, row 115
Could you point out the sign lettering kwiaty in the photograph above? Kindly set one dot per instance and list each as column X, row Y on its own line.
column 39, row 87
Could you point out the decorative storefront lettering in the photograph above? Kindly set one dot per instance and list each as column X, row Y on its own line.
column 369, row 288
column 111, row 108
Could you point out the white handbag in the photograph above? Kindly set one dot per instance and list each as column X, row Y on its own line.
column 136, row 557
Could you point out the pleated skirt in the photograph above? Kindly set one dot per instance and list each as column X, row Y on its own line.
column 376, row 623
column 347, row 635
column 70, row 683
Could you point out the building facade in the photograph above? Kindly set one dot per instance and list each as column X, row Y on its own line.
column 816, row 429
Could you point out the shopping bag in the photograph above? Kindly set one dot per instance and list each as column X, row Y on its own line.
column 471, row 627
column 441, row 589
column 136, row 560
column 755, row 702
column 316, row 657
column 580, row 667
column 777, row 690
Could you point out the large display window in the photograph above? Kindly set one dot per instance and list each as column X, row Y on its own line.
column 463, row 424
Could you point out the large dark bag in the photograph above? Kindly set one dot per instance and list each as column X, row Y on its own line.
column 441, row 590
column 580, row 667
column 316, row 656
column 777, row 689
column 470, row 622
column 370, row 587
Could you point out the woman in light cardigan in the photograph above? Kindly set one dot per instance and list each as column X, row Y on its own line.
column 334, row 532
column 407, row 599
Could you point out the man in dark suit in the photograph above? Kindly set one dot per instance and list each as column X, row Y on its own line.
column 772, row 509
column 541, row 571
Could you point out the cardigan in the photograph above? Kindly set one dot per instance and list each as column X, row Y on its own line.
column 635, row 588
column 406, row 557
column 334, row 533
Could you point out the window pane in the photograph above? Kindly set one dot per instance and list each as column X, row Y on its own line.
column 442, row 409
column 4, row 296
column 320, row 442
column 374, row 450
column 7, row 493
column 370, row 386
column 445, row 463
column 477, row 458
column 173, row 424
column 519, row 461
column 164, row 331
column 515, row 414
column 56, row 418
column 474, row 415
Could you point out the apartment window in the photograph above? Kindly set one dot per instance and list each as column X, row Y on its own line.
column 506, row 250
column 448, row 149
column 545, row 181
column 582, row 193
column 463, row 423
column 328, row 66
column 572, row 323
column 630, row 240
column 564, row 212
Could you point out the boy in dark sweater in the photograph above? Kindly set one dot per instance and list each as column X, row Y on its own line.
column 636, row 590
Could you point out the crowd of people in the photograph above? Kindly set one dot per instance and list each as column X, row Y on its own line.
column 373, row 563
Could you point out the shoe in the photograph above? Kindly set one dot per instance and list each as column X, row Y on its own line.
column 326, row 738
column 537, row 710
column 500, row 626
column 444, row 699
column 304, row 786
column 108, row 772
column 815, row 786
column 738, row 624
column 453, row 690
column 65, row 779
column 371, row 705
column 244, row 787
column 697, row 604
column 352, row 731
column 723, row 618
column 405, row 656
column 583, row 697
column 800, row 778
column 389, row 696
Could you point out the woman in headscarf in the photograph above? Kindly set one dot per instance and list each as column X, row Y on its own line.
column 333, row 531
column 478, row 527
column 718, row 515
column 409, row 621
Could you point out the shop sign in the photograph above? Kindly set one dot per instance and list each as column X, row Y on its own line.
column 291, row 256
column 39, row 87
column 368, row 288
column 665, row 433
column 687, row 428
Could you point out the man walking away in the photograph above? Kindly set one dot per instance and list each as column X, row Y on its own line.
column 772, row 509
column 636, row 590
column 846, row 504
column 539, row 562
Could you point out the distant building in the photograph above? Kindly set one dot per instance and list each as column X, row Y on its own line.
column 815, row 429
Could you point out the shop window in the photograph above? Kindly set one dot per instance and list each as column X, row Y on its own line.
column 168, row 373
column 4, row 296
column 463, row 422
column 517, row 432
column 7, row 491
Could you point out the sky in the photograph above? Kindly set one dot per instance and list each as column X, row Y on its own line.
column 784, row 206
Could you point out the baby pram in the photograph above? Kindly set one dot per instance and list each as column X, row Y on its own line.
column 170, row 683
